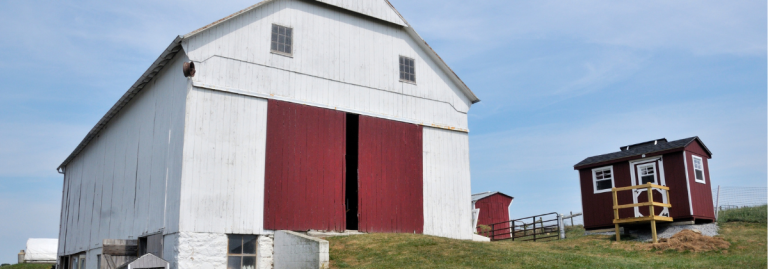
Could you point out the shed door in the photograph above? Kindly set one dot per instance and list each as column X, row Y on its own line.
column 304, row 177
column 390, row 176
column 650, row 171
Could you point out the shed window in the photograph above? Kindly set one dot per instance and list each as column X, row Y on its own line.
column 698, row 169
column 647, row 173
column 407, row 70
column 282, row 40
column 602, row 179
column 241, row 252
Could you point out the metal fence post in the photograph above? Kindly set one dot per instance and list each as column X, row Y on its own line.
column 561, row 226
column 534, row 229
column 513, row 230
column 717, row 203
column 493, row 231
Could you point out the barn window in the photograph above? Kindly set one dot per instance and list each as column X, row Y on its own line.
column 602, row 179
column 647, row 173
column 698, row 168
column 407, row 70
column 241, row 253
column 282, row 40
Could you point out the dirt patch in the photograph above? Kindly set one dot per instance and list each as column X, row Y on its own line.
column 692, row 241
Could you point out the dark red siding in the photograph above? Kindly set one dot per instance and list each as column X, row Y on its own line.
column 701, row 193
column 598, row 208
column 598, row 212
column 390, row 177
column 304, row 177
column 494, row 209
column 674, row 172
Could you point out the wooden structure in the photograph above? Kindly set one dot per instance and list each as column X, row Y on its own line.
column 682, row 165
column 289, row 114
column 651, row 218
column 494, row 209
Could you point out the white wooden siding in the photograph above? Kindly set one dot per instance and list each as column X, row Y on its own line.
column 116, row 187
column 224, row 158
column 379, row 9
column 447, row 195
column 340, row 60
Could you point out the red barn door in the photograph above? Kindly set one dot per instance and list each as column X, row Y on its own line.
column 304, row 177
column 390, row 176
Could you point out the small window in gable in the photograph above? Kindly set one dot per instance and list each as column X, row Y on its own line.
column 282, row 40
column 602, row 179
column 407, row 70
column 698, row 169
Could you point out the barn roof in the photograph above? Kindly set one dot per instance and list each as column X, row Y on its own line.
column 478, row 196
column 368, row 8
column 642, row 148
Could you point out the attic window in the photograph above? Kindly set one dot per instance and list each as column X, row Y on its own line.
column 602, row 179
column 698, row 168
column 407, row 70
column 282, row 40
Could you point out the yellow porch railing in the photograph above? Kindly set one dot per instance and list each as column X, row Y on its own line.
column 652, row 218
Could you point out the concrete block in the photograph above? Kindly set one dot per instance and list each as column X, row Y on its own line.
column 298, row 251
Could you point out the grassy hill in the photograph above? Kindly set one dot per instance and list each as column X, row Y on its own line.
column 748, row 250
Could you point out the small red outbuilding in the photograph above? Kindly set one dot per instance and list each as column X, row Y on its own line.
column 494, row 208
column 681, row 165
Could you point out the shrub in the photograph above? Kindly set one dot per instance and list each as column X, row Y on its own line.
column 754, row 214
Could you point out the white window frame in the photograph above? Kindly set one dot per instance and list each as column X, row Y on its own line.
column 703, row 175
column 655, row 173
column 594, row 179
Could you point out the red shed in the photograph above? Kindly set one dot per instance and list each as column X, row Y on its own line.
column 494, row 208
column 682, row 165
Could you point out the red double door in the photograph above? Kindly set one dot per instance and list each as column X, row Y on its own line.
column 310, row 175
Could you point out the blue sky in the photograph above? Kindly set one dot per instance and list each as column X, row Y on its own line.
column 559, row 80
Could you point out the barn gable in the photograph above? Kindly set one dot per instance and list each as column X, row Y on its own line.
column 380, row 9
column 340, row 60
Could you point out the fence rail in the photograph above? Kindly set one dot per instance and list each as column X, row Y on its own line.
column 541, row 227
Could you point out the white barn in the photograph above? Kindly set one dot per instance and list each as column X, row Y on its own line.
column 288, row 115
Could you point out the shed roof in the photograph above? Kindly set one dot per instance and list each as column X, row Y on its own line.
column 640, row 149
column 479, row 196
column 147, row 261
column 175, row 46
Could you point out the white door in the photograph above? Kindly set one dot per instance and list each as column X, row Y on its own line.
column 648, row 172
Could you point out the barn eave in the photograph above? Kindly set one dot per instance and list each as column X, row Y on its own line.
column 158, row 65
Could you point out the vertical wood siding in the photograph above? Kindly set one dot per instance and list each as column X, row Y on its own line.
column 447, row 186
column 116, row 187
column 390, row 177
column 674, row 172
column 375, row 8
column 340, row 60
column 305, row 168
column 598, row 208
column 494, row 209
column 598, row 212
column 701, row 193
column 224, row 152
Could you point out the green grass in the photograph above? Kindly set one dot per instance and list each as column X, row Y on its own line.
column 748, row 250
column 28, row 266
column 757, row 214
